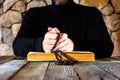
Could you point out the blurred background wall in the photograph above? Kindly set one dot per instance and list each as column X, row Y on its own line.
column 12, row 12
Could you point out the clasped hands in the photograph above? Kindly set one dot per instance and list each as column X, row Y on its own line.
column 64, row 44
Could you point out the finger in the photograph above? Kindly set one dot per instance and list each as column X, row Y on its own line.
column 50, row 35
column 50, row 29
column 50, row 41
column 66, row 49
column 66, row 45
column 61, row 45
column 47, row 47
column 54, row 30
column 63, row 36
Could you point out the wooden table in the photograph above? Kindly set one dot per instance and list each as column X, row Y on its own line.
column 12, row 68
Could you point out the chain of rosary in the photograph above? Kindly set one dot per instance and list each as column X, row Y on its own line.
column 59, row 53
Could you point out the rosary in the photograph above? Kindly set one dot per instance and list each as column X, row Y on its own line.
column 59, row 53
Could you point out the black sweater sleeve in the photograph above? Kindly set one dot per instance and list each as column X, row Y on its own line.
column 22, row 46
column 97, row 37
column 27, row 39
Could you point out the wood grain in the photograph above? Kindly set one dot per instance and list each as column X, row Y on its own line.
column 88, row 71
column 110, row 67
column 4, row 59
column 60, row 72
column 32, row 71
column 20, row 69
column 114, row 59
column 8, row 69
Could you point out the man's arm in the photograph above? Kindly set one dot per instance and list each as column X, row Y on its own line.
column 22, row 46
column 27, row 39
column 97, row 37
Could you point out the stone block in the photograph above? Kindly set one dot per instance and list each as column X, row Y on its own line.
column 10, row 18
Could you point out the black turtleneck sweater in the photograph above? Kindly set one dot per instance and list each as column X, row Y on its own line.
column 84, row 25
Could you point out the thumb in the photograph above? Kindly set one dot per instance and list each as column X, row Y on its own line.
column 54, row 30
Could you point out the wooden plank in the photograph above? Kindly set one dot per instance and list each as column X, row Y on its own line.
column 8, row 69
column 32, row 71
column 4, row 59
column 99, row 60
column 89, row 71
column 114, row 59
column 60, row 72
column 110, row 67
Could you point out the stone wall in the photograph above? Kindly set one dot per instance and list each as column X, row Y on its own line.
column 12, row 11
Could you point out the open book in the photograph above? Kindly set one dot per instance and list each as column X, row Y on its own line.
column 76, row 55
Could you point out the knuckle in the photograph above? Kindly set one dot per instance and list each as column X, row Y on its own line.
column 65, row 35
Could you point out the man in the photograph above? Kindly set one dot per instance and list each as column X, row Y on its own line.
column 81, row 28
